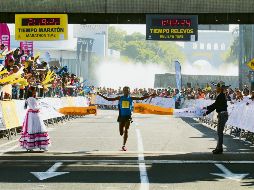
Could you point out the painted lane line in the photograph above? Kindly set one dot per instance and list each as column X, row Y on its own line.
column 145, row 152
column 10, row 142
column 51, row 172
column 130, row 161
column 142, row 166
column 228, row 174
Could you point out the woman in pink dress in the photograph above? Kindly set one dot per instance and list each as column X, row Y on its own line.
column 34, row 134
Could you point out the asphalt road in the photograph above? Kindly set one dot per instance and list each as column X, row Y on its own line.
column 163, row 153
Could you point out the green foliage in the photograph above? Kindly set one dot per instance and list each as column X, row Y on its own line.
column 137, row 49
column 232, row 54
column 230, row 57
column 116, row 39
column 243, row 42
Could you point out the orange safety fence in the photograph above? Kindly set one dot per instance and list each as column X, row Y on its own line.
column 151, row 109
column 78, row 110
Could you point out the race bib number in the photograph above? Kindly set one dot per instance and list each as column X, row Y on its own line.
column 125, row 104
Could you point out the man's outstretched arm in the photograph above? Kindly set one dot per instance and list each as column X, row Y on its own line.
column 144, row 97
column 109, row 99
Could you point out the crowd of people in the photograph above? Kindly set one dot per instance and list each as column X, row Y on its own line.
column 209, row 92
column 19, row 71
column 24, row 76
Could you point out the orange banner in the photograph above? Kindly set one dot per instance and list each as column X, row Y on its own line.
column 78, row 110
column 151, row 109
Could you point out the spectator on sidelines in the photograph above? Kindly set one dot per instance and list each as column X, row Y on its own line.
column 251, row 99
column 252, row 95
column 34, row 134
column 201, row 94
column 177, row 98
column 246, row 95
column 220, row 105
column 3, row 50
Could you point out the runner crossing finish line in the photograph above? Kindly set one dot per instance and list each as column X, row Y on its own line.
column 125, row 105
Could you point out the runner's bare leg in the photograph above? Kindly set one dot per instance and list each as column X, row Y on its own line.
column 121, row 128
column 126, row 128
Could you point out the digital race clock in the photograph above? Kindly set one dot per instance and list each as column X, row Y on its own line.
column 172, row 27
column 41, row 27
column 40, row 21
column 172, row 22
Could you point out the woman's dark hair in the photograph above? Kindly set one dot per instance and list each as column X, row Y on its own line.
column 29, row 94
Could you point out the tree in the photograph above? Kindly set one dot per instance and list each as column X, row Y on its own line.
column 243, row 42
column 116, row 38
column 137, row 49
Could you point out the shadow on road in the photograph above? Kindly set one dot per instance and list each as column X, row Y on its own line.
column 89, row 167
column 232, row 144
column 123, row 167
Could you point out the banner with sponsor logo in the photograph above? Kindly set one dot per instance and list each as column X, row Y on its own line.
column 151, row 109
column 241, row 116
column 78, row 110
column 157, row 101
column 189, row 112
column 5, row 35
column 27, row 47
column 161, row 101
column 178, row 75
column 157, row 110
column 12, row 113
column 41, row 27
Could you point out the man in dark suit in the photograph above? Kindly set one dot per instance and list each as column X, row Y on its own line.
column 220, row 105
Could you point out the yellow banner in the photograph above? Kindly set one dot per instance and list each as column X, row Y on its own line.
column 10, row 114
column 41, row 27
column 78, row 110
column 151, row 109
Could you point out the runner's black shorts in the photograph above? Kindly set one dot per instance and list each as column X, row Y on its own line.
column 123, row 119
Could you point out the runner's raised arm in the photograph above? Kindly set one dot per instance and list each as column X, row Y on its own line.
column 109, row 99
column 144, row 97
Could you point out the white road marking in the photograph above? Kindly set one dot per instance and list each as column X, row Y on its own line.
column 228, row 174
column 142, row 166
column 131, row 161
column 51, row 172
column 145, row 152
column 5, row 144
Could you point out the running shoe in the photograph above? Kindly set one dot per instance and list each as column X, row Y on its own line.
column 124, row 148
